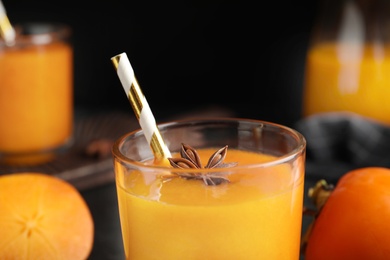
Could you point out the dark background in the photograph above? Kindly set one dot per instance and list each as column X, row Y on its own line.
column 247, row 57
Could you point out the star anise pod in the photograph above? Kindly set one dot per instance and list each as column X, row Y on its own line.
column 190, row 160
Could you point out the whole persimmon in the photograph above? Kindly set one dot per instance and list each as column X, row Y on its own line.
column 354, row 221
column 43, row 217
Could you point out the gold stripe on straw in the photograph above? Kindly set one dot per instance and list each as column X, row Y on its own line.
column 7, row 32
column 140, row 105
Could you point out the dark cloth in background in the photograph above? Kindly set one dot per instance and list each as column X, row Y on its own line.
column 339, row 142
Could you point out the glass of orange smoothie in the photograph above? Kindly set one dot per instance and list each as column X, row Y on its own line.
column 233, row 189
column 348, row 60
column 36, row 93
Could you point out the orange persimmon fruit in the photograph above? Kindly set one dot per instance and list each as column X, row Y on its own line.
column 43, row 217
column 354, row 222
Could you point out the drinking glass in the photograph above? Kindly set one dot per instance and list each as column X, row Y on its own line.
column 36, row 93
column 249, row 208
column 348, row 60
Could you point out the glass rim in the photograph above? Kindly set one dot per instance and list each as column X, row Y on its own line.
column 299, row 149
column 39, row 33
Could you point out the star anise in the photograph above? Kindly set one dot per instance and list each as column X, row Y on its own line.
column 190, row 160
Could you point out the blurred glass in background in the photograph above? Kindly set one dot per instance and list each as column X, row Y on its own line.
column 36, row 93
column 348, row 60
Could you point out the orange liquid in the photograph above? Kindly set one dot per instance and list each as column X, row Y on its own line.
column 358, row 82
column 36, row 103
column 256, row 216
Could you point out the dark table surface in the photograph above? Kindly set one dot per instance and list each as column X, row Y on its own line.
column 102, row 202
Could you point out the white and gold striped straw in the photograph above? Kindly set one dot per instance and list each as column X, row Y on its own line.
column 140, row 106
column 7, row 32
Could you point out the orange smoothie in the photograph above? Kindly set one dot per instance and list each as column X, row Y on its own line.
column 36, row 102
column 348, row 78
column 257, row 215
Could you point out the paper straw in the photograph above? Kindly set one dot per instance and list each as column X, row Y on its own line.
column 6, row 29
column 140, row 105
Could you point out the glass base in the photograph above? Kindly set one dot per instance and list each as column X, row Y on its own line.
column 35, row 157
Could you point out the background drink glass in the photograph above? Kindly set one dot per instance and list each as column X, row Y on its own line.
column 348, row 60
column 36, row 93
column 257, row 215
